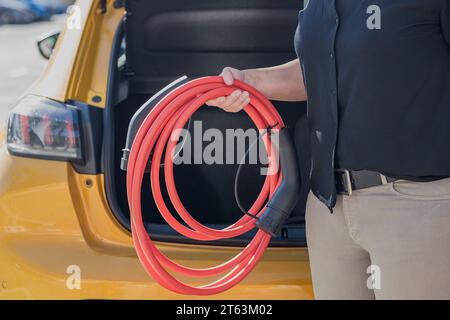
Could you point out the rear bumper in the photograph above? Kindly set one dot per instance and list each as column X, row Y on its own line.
column 37, row 270
column 50, row 222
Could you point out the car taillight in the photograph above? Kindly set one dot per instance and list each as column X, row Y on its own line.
column 43, row 128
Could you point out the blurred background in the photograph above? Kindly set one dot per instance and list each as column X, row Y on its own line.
column 22, row 24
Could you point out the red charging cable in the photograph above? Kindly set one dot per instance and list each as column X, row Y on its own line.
column 161, row 130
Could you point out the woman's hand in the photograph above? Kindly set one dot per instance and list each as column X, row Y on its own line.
column 238, row 99
column 282, row 83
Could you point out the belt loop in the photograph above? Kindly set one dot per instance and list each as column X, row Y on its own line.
column 383, row 179
column 349, row 182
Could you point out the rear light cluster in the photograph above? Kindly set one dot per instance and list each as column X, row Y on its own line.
column 43, row 128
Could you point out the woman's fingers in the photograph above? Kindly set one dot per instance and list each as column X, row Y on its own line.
column 242, row 100
column 230, row 100
column 235, row 102
column 225, row 102
column 215, row 102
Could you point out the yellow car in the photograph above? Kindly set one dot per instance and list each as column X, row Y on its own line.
column 64, row 217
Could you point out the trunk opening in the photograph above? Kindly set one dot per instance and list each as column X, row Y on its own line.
column 151, row 51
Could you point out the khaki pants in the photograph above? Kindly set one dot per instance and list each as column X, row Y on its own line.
column 387, row 242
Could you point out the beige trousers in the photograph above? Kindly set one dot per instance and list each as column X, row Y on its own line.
column 387, row 242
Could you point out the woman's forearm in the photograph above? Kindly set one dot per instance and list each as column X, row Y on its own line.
column 282, row 83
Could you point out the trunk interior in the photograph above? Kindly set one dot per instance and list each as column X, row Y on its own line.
column 160, row 41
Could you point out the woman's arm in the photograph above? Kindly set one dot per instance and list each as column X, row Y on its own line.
column 283, row 83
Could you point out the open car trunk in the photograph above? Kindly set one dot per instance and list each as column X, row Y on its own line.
column 167, row 39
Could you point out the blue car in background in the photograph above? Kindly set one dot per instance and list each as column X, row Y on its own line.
column 12, row 12
column 41, row 12
column 48, row 6
column 27, row 11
